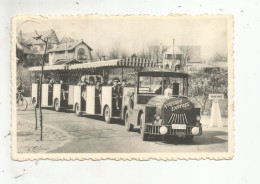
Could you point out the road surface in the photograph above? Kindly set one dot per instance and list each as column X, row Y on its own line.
column 93, row 135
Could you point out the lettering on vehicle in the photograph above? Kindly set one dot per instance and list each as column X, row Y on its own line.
column 178, row 105
column 174, row 108
column 170, row 104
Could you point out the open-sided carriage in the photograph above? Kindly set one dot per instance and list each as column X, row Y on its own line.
column 53, row 96
column 87, row 101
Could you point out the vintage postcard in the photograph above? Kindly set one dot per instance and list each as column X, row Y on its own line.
column 123, row 87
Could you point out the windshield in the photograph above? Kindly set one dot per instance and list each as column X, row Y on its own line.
column 169, row 86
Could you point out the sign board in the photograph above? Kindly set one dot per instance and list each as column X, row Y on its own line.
column 216, row 96
column 215, row 117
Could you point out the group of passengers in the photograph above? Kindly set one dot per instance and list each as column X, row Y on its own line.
column 117, row 89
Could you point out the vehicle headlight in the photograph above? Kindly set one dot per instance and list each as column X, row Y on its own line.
column 198, row 118
column 163, row 130
column 195, row 131
column 157, row 117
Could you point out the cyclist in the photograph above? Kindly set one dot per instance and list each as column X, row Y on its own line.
column 19, row 89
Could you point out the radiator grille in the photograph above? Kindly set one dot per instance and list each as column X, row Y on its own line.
column 178, row 119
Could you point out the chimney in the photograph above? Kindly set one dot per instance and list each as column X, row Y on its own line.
column 54, row 46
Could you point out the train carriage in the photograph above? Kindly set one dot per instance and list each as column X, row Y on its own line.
column 53, row 97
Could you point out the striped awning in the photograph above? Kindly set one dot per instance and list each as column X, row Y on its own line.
column 129, row 62
column 48, row 68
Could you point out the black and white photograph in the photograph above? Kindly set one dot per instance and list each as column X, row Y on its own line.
column 122, row 87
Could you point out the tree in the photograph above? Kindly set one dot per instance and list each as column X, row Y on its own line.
column 186, row 55
column 207, row 81
column 219, row 57
column 100, row 54
column 67, row 39
column 45, row 41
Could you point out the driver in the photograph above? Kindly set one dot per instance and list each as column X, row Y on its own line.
column 168, row 90
column 162, row 85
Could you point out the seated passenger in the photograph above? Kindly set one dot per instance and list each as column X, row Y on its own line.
column 123, row 84
column 82, row 81
column 63, row 90
column 98, row 88
column 116, row 91
column 83, row 85
column 51, row 83
column 91, row 81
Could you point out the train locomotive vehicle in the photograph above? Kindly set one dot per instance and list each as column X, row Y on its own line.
column 157, row 113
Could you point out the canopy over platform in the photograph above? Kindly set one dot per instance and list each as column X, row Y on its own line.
column 128, row 63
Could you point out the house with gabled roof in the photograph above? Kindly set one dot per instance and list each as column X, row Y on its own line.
column 33, row 46
column 70, row 53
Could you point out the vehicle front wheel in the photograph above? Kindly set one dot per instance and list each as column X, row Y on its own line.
column 57, row 105
column 189, row 138
column 107, row 115
column 129, row 127
column 144, row 136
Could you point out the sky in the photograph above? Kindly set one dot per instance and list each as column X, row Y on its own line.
column 133, row 34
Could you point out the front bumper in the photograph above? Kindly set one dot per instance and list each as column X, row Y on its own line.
column 155, row 130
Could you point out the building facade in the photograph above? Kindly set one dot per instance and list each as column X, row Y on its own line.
column 67, row 52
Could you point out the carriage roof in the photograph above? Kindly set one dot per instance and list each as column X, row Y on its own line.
column 119, row 63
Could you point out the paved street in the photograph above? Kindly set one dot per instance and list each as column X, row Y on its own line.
column 92, row 134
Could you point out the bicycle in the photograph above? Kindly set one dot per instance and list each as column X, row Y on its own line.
column 21, row 102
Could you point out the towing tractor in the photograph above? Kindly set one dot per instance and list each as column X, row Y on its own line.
column 159, row 106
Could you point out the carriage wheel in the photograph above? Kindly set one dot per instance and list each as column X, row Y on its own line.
column 77, row 110
column 107, row 115
column 34, row 102
column 144, row 136
column 57, row 105
column 129, row 127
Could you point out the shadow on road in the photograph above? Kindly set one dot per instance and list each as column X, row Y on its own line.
column 208, row 137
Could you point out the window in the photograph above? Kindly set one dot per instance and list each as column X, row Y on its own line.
column 168, row 56
column 81, row 54
column 154, row 85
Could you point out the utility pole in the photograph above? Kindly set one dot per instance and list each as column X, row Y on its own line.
column 173, row 54
column 39, row 37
